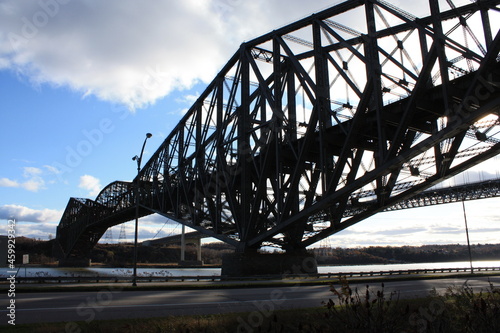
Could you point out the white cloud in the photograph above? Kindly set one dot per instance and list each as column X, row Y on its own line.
column 33, row 183
column 51, row 169
column 32, row 172
column 133, row 52
column 25, row 214
column 188, row 99
column 122, row 51
column 5, row 182
column 90, row 183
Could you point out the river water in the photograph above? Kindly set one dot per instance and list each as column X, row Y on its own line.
column 166, row 272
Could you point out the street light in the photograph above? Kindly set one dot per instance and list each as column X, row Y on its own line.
column 467, row 233
column 136, row 190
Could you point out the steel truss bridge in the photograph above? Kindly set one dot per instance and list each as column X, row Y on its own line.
column 318, row 125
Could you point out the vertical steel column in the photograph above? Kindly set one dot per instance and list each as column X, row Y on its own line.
column 277, row 129
column 488, row 36
column 292, row 105
column 292, row 131
column 180, row 173
column 183, row 243
column 220, row 180
column 439, row 42
column 166, row 178
column 430, row 62
column 322, row 105
column 198, row 245
column 244, row 149
column 424, row 48
column 199, row 183
column 374, row 71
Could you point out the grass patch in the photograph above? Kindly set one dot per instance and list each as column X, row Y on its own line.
column 218, row 323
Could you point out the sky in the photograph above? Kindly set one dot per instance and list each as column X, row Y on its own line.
column 82, row 81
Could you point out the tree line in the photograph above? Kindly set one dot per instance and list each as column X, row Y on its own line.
column 405, row 254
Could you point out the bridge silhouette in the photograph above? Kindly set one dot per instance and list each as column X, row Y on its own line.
column 314, row 127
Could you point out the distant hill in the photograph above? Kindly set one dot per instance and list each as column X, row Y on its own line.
column 405, row 254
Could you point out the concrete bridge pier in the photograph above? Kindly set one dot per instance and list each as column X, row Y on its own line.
column 196, row 241
column 252, row 263
column 74, row 262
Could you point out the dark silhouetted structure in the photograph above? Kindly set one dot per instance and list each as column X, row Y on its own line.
column 316, row 126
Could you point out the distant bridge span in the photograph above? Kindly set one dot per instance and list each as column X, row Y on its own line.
column 304, row 121
column 175, row 239
column 472, row 191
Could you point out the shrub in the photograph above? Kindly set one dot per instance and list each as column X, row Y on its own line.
column 365, row 311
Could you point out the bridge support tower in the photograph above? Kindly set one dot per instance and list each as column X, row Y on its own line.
column 196, row 241
column 253, row 263
column 74, row 262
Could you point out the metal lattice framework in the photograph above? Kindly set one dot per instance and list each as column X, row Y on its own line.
column 357, row 108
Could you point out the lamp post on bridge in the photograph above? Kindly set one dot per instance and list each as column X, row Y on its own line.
column 136, row 187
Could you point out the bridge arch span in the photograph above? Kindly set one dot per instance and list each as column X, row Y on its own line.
column 117, row 195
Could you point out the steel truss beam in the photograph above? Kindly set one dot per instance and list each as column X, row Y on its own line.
column 301, row 122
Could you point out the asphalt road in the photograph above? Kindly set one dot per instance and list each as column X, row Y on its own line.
column 113, row 303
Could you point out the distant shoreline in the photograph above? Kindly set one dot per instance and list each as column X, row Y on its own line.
column 119, row 255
